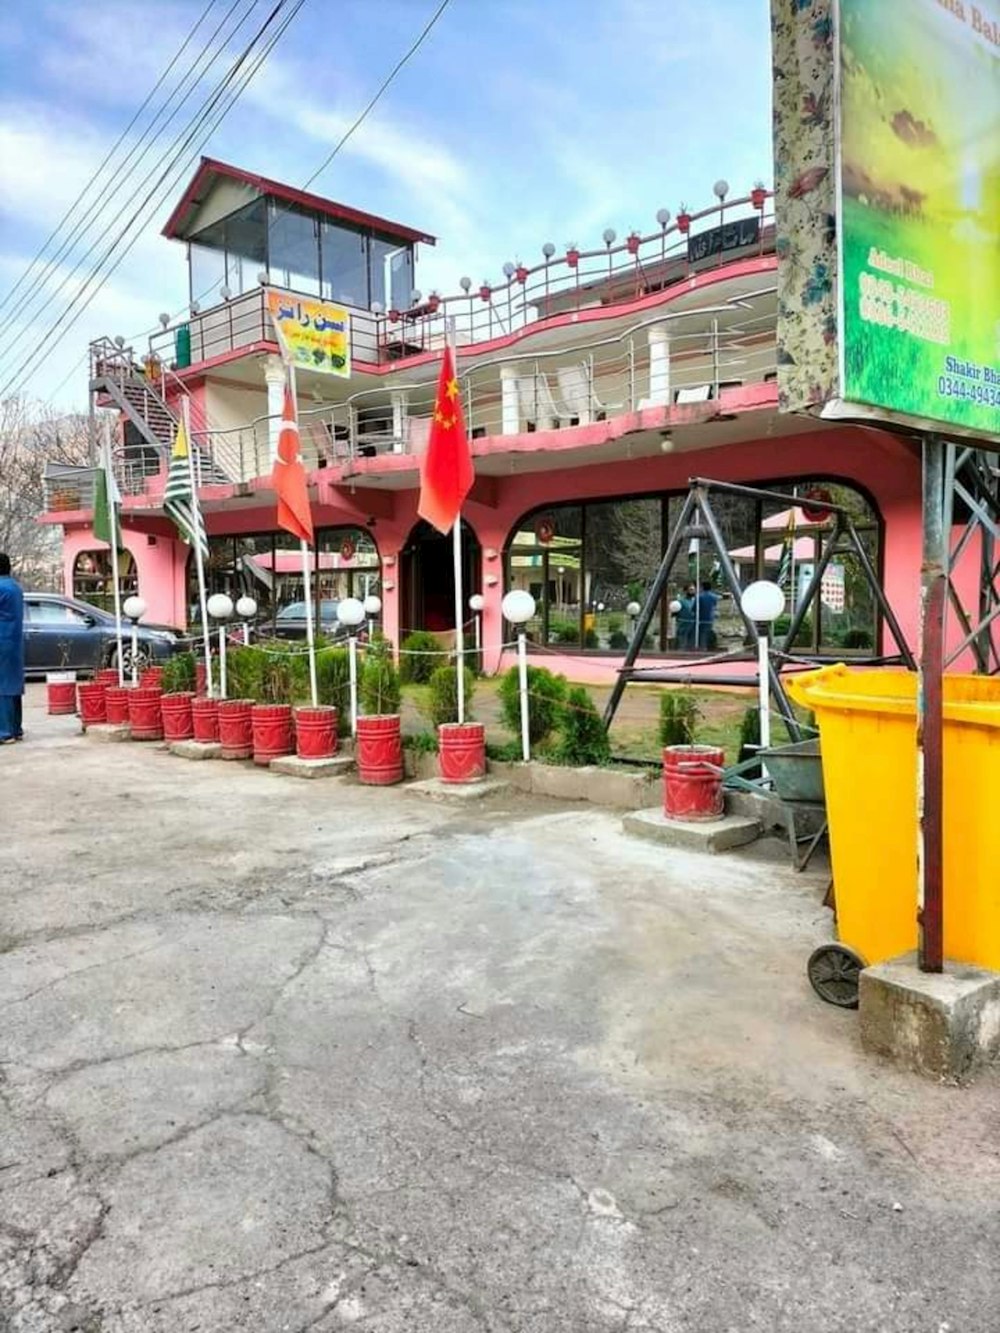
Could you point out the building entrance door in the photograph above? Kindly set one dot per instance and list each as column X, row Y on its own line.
column 428, row 579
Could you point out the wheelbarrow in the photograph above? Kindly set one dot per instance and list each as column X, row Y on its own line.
column 794, row 780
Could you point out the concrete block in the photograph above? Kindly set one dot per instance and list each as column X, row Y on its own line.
column 564, row 784
column 517, row 774
column 716, row 835
column 944, row 1024
column 294, row 767
column 196, row 749
column 459, row 792
column 107, row 733
column 422, row 766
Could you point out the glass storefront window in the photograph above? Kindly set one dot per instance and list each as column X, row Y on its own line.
column 344, row 256
column 391, row 273
column 208, row 274
column 585, row 564
column 93, row 580
column 293, row 249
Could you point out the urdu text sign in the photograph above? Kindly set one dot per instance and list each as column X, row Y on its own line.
column 314, row 335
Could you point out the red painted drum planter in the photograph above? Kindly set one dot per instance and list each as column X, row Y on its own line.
column 107, row 676
column 116, row 705
column 462, row 751
column 316, row 732
column 60, row 690
column 177, row 722
column 205, row 720
column 150, row 677
column 144, row 716
column 692, row 782
column 236, row 728
column 272, row 732
column 90, row 703
column 379, row 750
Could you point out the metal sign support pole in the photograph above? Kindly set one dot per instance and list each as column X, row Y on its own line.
column 930, row 723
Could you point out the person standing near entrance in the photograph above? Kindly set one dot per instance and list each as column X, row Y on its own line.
column 708, row 601
column 11, row 654
column 686, row 619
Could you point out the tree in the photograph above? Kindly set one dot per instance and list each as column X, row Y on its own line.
column 30, row 436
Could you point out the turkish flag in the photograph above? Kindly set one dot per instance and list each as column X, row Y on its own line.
column 289, row 476
column 446, row 474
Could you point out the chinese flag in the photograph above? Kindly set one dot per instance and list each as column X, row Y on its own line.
column 446, row 475
column 289, row 477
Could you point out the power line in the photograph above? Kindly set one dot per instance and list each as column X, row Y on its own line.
column 203, row 115
column 385, row 84
column 36, row 295
column 107, row 158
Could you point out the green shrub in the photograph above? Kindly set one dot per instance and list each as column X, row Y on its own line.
column 507, row 753
column 422, row 742
column 545, row 696
column 615, row 624
column 750, row 728
column 178, row 673
column 564, row 631
column 380, row 689
column 277, row 678
column 582, row 737
column 618, row 639
column 856, row 638
column 679, row 715
column 442, row 704
column 590, row 639
column 244, row 672
column 417, row 658
column 333, row 684
column 780, row 628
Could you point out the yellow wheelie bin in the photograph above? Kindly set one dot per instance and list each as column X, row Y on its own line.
column 867, row 725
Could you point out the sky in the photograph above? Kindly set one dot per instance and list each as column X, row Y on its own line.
column 516, row 123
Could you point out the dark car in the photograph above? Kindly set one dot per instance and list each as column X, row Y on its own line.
column 62, row 634
column 290, row 623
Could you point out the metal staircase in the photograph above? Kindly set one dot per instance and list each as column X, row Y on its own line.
column 115, row 376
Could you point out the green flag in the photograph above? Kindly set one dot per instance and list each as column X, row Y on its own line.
column 107, row 499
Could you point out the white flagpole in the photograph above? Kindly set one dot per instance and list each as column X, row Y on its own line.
column 456, row 541
column 199, row 559
column 306, row 564
column 109, row 484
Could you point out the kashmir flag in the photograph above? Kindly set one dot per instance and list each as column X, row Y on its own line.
column 179, row 499
column 787, row 551
column 107, row 499
column 289, row 477
column 446, row 474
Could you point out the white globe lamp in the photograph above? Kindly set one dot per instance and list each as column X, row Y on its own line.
column 762, row 602
column 477, row 601
column 134, row 608
column 246, row 608
column 220, row 606
column 518, row 606
column 351, row 612
column 372, row 605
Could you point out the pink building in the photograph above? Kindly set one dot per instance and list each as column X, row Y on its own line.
column 595, row 384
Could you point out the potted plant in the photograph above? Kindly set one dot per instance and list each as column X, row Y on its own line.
column 692, row 773
column 235, row 720
column 177, row 681
column 317, row 729
column 461, row 745
column 583, row 738
column 683, row 220
column 60, row 687
column 271, row 715
column 379, row 750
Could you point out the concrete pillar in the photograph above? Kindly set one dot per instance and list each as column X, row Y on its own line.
column 659, row 365
column 510, row 416
column 491, row 586
column 399, row 398
column 274, row 377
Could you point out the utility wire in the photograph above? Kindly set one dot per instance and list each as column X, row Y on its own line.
column 37, row 295
column 60, row 327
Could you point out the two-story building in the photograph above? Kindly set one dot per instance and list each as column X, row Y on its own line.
column 596, row 381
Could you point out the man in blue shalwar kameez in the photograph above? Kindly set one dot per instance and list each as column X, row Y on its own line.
column 11, row 654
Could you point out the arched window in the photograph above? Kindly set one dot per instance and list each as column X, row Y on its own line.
column 588, row 565
column 93, row 580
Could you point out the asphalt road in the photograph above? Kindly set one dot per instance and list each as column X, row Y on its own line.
column 281, row 1055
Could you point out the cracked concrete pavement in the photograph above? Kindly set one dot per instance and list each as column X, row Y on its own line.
column 280, row 1056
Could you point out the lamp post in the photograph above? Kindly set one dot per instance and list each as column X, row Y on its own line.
column 350, row 613
column 220, row 608
column 372, row 606
column 632, row 611
column 763, row 602
column 246, row 609
column 675, row 610
column 518, row 607
column 135, row 609
column 476, row 603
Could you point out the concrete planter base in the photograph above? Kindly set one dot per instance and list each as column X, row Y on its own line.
column 616, row 788
column 716, row 835
column 294, row 766
column 436, row 789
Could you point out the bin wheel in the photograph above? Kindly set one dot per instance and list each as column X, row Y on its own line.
column 833, row 974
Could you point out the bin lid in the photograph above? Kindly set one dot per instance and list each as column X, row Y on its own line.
column 973, row 700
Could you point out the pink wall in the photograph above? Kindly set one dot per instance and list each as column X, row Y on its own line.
column 158, row 563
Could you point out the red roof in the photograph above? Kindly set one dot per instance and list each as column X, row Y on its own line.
column 210, row 170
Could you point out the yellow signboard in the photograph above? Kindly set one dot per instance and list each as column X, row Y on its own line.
column 314, row 335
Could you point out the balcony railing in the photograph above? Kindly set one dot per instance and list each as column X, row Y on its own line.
column 614, row 273
column 732, row 346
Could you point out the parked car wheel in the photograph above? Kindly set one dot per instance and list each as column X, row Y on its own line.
column 142, row 659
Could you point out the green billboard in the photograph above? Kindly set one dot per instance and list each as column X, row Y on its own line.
column 887, row 181
column 919, row 229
